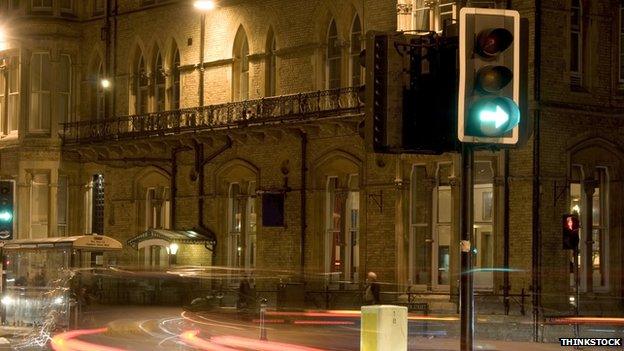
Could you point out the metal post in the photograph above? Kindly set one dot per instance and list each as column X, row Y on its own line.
column 263, row 306
column 577, row 294
column 202, row 35
column 466, row 279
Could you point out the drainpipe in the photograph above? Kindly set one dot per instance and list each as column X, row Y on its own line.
column 535, row 247
column 304, row 225
column 107, row 59
column 200, row 163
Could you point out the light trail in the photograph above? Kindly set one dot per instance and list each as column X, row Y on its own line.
column 259, row 345
column 588, row 320
column 208, row 322
column 67, row 341
column 190, row 337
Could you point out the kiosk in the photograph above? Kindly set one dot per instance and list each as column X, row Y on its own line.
column 37, row 276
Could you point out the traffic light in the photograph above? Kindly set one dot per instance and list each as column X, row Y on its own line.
column 489, row 76
column 410, row 93
column 6, row 210
column 385, row 80
column 570, row 225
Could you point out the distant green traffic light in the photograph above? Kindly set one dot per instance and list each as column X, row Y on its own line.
column 6, row 216
column 493, row 116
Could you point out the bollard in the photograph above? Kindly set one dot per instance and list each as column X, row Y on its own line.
column 263, row 306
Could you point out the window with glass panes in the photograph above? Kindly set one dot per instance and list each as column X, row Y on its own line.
column 235, row 221
column 40, row 79
column 14, row 91
column 175, row 74
column 420, row 234
column 41, row 5
column 576, row 42
column 421, row 13
column 356, row 48
column 333, row 57
column 64, row 89
column 98, row 7
column 142, row 87
column 600, row 227
column 39, row 205
column 158, row 72
column 3, row 104
column 61, row 200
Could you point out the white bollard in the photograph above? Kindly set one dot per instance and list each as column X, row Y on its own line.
column 383, row 328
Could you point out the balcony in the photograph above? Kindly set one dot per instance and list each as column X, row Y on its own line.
column 285, row 109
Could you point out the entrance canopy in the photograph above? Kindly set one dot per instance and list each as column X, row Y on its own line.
column 80, row 242
column 194, row 236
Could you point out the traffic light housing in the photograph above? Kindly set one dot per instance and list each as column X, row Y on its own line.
column 570, row 226
column 6, row 209
column 489, row 76
column 385, row 81
column 410, row 93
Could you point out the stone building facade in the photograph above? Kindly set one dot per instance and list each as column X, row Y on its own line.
column 205, row 115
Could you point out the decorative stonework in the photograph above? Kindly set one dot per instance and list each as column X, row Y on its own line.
column 404, row 9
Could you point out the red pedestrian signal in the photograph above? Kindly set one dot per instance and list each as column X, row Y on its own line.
column 571, row 225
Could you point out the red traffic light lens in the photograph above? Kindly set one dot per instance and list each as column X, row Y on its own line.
column 491, row 79
column 491, row 42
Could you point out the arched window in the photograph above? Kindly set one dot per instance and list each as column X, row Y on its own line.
column 97, row 91
column 158, row 73
column 334, row 57
column 576, row 42
column 356, row 48
column 174, row 96
column 271, row 65
column 240, row 70
column 141, row 82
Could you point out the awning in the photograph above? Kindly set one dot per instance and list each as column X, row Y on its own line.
column 80, row 242
column 193, row 236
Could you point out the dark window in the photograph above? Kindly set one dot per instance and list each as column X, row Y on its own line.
column 97, row 224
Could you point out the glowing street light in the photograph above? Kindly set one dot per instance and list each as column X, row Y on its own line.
column 173, row 248
column 105, row 83
column 204, row 5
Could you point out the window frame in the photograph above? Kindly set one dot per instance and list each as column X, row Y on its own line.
column 354, row 62
column 621, row 44
column 333, row 59
column 159, row 79
column 34, row 184
column 41, row 8
column 67, row 94
column 37, row 122
column 576, row 77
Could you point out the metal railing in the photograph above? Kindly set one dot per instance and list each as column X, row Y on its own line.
column 279, row 109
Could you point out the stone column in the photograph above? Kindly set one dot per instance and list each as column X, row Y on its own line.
column 53, row 203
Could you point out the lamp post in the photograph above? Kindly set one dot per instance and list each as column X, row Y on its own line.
column 203, row 6
column 173, row 250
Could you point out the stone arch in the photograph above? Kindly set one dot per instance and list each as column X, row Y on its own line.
column 596, row 151
column 150, row 176
column 337, row 161
column 233, row 170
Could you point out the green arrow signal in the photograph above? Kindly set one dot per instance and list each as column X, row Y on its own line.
column 5, row 216
column 499, row 116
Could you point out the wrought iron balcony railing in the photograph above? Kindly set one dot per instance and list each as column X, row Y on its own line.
column 279, row 109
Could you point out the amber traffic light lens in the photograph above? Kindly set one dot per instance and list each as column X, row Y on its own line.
column 491, row 79
column 491, row 42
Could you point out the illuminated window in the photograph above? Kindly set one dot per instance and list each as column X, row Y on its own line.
column 13, row 101
column 251, row 227
column 3, row 104
column 420, row 228
column 333, row 57
column 157, row 208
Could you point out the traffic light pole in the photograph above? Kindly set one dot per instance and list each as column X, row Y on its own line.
column 466, row 292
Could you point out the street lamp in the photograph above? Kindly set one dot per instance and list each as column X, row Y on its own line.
column 3, row 39
column 203, row 6
column 105, row 83
column 173, row 250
